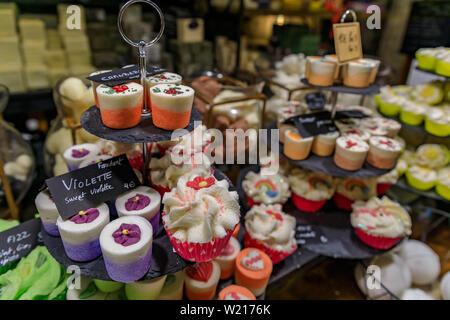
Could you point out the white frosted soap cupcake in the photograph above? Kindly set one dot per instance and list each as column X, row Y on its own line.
column 142, row 202
column 120, row 105
column 350, row 153
column 261, row 189
column 227, row 258
column 74, row 155
column 163, row 78
column 80, row 234
column 145, row 289
column 47, row 212
column 126, row 244
column 383, row 152
column 171, row 105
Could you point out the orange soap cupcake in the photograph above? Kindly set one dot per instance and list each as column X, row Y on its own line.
column 383, row 152
column 227, row 258
column 121, row 105
column 320, row 72
column 161, row 78
column 201, row 280
column 323, row 144
column 171, row 105
column 253, row 269
column 358, row 74
column 350, row 153
column 296, row 147
column 234, row 292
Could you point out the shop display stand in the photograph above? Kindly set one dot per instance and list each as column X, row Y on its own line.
column 403, row 184
column 329, row 233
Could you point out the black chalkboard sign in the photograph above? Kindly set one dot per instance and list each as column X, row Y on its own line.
column 351, row 113
column 88, row 187
column 119, row 76
column 428, row 26
column 313, row 124
column 18, row 242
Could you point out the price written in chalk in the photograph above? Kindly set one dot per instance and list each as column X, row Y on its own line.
column 17, row 242
column 90, row 186
column 347, row 41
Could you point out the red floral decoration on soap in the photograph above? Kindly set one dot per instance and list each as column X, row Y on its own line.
column 200, row 182
column 350, row 144
column 386, row 142
column 172, row 91
column 275, row 215
column 85, row 216
column 120, row 89
column 200, row 271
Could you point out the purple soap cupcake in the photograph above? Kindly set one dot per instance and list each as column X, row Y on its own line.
column 126, row 244
column 143, row 202
column 80, row 234
column 74, row 155
column 47, row 212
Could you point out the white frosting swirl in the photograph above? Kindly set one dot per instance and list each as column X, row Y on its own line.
column 432, row 155
column 444, row 176
column 381, row 217
column 198, row 216
column 314, row 186
column 266, row 189
column 270, row 225
column 390, row 177
column 423, row 174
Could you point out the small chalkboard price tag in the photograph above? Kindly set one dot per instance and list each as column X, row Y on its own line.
column 347, row 41
column 88, row 187
column 313, row 124
column 119, row 76
column 351, row 113
column 18, row 242
column 305, row 234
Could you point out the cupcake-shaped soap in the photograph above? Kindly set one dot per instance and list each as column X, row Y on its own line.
column 200, row 215
column 80, row 234
column 126, row 244
column 421, row 178
column 201, row 280
column 145, row 289
column 350, row 153
column 163, row 78
column 443, row 183
column 265, row 189
column 348, row 190
column 142, row 202
column 171, row 105
column 311, row 190
column 227, row 258
column 120, row 105
column 253, row 270
column 354, row 132
column 173, row 287
column 234, row 292
column 295, row 147
column 380, row 223
column 74, row 155
column 269, row 229
column 432, row 156
column 319, row 71
column 323, row 144
column 383, row 152
column 358, row 73
column 47, row 212
column 385, row 181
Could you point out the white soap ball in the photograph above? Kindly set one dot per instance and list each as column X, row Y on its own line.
column 73, row 89
column 25, row 161
column 89, row 98
column 14, row 169
column 394, row 275
column 422, row 261
column 416, row 294
column 445, row 286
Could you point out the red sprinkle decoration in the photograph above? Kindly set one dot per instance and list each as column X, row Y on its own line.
column 275, row 215
column 387, row 142
column 351, row 144
column 120, row 89
column 172, row 91
column 160, row 76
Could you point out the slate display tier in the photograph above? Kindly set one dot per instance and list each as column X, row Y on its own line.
column 145, row 131
column 370, row 90
column 327, row 165
column 403, row 184
column 324, row 233
column 164, row 259
column 432, row 72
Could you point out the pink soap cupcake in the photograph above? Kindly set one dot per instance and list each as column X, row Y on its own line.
column 310, row 190
column 348, row 190
column 199, row 216
column 380, row 223
column 269, row 229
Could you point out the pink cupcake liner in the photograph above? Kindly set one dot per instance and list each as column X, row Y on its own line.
column 274, row 255
column 252, row 202
column 307, row 205
column 161, row 190
column 199, row 252
column 382, row 188
column 376, row 242
column 136, row 162
column 342, row 202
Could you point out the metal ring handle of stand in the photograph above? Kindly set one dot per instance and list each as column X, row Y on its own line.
column 141, row 45
column 346, row 13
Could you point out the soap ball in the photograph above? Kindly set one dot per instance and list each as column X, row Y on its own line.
column 445, row 286
column 416, row 294
column 394, row 275
column 73, row 89
column 422, row 261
